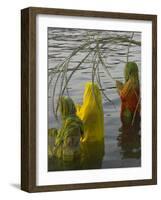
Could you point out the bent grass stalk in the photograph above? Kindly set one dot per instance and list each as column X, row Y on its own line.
column 60, row 71
column 99, row 80
column 128, row 49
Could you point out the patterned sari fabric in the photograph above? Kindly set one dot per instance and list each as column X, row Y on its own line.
column 67, row 139
column 130, row 96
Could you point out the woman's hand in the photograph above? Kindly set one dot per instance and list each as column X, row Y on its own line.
column 119, row 85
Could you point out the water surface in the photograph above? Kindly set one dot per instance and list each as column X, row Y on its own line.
column 120, row 150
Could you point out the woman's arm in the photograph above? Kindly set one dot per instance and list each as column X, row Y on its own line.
column 119, row 86
column 124, row 92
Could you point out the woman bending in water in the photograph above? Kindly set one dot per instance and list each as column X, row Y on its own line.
column 130, row 96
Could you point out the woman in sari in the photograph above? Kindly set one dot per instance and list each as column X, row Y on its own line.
column 67, row 139
column 91, row 113
column 130, row 96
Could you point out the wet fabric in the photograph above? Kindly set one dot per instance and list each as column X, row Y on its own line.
column 67, row 139
column 91, row 113
column 130, row 95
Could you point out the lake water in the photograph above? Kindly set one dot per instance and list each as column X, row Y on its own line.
column 121, row 150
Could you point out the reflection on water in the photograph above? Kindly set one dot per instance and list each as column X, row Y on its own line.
column 91, row 158
column 92, row 155
column 129, row 141
column 119, row 149
column 130, row 145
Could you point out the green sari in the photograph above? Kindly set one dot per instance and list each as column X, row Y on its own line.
column 67, row 139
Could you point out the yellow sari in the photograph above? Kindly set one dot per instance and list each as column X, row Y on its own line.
column 91, row 113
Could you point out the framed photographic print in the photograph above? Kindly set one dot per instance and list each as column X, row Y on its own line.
column 88, row 99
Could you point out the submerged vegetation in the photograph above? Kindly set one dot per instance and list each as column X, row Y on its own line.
column 60, row 77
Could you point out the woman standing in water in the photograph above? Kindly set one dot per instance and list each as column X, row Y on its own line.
column 130, row 96
column 92, row 116
column 91, row 113
column 81, row 136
